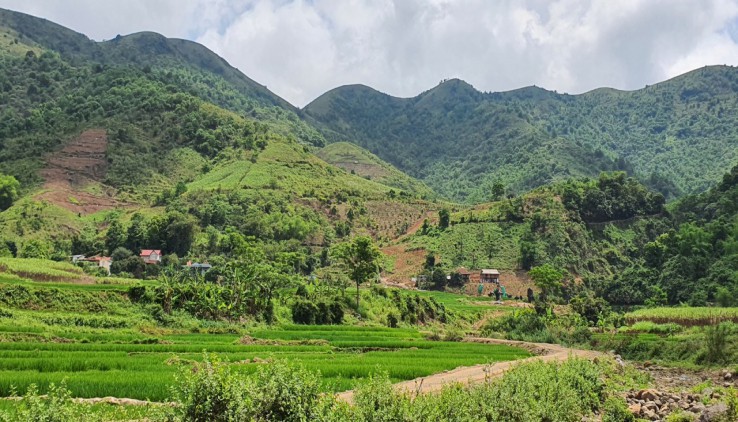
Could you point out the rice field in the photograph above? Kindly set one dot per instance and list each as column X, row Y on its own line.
column 136, row 366
column 684, row 316
column 93, row 337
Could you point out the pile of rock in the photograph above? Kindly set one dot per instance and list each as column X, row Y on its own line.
column 655, row 405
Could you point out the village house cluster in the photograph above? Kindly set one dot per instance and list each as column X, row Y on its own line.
column 148, row 256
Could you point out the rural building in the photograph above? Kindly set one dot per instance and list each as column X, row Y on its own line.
column 197, row 267
column 490, row 276
column 101, row 261
column 151, row 256
column 465, row 274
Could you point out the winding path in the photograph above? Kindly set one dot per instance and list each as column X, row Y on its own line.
column 469, row 375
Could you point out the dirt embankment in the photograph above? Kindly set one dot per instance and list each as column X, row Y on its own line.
column 70, row 173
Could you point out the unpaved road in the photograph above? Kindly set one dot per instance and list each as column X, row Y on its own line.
column 469, row 375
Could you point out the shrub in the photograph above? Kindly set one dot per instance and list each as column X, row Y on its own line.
column 392, row 320
column 376, row 400
column 616, row 410
column 284, row 392
column 716, row 341
column 307, row 312
column 55, row 406
column 209, row 391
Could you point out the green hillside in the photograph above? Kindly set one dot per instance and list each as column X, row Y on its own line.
column 148, row 142
column 361, row 162
column 677, row 136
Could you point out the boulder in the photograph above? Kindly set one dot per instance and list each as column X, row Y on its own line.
column 715, row 412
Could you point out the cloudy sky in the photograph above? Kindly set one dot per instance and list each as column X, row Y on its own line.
column 302, row 48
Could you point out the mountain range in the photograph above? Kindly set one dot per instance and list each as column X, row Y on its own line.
column 144, row 142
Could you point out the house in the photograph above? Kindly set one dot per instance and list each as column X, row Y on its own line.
column 101, row 261
column 77, row 258
column 464, row 274
column 196, row 267
column 490, row 276
column 151, row 256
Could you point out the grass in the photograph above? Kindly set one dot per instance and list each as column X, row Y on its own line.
column 684, row 316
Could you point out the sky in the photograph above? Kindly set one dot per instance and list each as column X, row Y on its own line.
column 300, row 49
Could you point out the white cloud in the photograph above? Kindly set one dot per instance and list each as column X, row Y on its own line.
column 302, row 48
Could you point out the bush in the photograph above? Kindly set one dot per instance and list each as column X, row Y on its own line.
column 616, row 410
column 308, row 313
column 392, row 320
column 55, row 406
column 284, row 392
column 716, row 342
column 376, row 400
column 209, row 391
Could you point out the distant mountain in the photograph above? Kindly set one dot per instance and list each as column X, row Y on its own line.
column 678, row 136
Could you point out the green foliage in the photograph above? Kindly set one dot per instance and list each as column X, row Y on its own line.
column 716, row 342
column 310, row 313
column 613, row 196
column 443, row 219
column 56, row 406
column 9, row 188
column 210, row 391
column 547, row 278
column 551, row 392
column 361, row 259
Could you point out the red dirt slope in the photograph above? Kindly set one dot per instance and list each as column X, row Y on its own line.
column 80, row 163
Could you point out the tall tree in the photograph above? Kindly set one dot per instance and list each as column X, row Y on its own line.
column 547, row 278
column 361, row 258
column 444, row 217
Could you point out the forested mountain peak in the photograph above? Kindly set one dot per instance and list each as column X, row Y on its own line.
column 678, row 136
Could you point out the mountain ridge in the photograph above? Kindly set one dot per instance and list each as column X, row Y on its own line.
column 634, row 130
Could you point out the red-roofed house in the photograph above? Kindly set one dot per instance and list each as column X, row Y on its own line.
column 151, row 256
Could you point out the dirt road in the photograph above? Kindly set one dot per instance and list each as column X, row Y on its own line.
column 468, row 375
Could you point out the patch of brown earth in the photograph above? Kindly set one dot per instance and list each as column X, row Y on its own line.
column 408, row 263
column 68, row 172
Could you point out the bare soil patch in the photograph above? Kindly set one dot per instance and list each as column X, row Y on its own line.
column 81, row 163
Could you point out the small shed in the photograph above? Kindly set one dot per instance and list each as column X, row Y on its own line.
column 490, row 276
column 198, row 267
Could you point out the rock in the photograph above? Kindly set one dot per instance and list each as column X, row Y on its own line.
column 650, row 415
column 649, row 395
column 635, row 409
column 697, row 407
column 727, row 376
column 715, row 412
